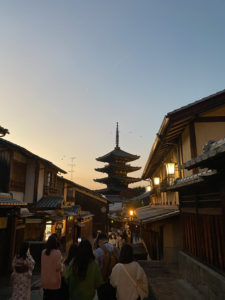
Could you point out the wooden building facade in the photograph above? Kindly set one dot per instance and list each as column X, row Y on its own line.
column 181, row 137
column 202, row 205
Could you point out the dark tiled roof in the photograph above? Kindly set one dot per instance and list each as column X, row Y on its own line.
column 83, row 189
column 49, row 203
column 124, row 179
column 173, row 124
column 195, row 103
column 193, row 179
column 151, row 213
column 213, row 150
column 28, row 153
column 140, row 197
column 11, row 202
column 117, row 152
column 74, row 210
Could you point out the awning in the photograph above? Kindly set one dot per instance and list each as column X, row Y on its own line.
column 11, row 202
column 150, row 213
column 50, row 202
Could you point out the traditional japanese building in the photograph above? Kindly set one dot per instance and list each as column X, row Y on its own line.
column 117, row 169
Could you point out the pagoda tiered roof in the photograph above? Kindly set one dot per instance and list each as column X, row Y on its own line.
column 119, row 154
column 120, row 179
column 112, row 167
column 117, row 169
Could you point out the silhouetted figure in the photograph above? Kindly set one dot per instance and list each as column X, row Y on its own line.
column 22, row 265
column 83, row 275
column 51, row 270
column 128, row 277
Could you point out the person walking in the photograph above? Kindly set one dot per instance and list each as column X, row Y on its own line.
column 22, row 265
column 83, row 274
column 128, row 277
column 51, row 270
column 71, row 254
column 107, row 256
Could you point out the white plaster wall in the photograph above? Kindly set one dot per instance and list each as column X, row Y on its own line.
column 30, row 179
column 18, row 196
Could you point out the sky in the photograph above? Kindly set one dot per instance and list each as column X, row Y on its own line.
column 69, row 70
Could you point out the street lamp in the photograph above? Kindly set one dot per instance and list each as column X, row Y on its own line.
column 156, row 180
column 170, row 168
column 131, row 213
column 148, row 188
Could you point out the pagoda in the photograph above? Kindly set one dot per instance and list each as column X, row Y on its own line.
column 117, row 170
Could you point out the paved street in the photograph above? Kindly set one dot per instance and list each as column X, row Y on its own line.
column 164, row 284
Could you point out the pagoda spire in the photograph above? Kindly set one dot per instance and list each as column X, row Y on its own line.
column 117, row 136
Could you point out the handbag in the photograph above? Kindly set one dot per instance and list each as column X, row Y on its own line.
column 140, row 285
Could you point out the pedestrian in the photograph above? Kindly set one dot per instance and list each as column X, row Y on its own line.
column 22, row 265
column 83, row 274
column 51, row 270
column 112, row 240
column 119, row 241
column 128, row 277
column 71, row 254
column 107, row 256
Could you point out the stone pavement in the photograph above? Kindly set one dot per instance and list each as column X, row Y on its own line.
column 164, row 284
column 6, row 289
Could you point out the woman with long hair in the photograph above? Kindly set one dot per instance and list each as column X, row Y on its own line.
column 51, row 269
column 128, row 277
column 83, row 275
column 22, row 265
column 71, row 254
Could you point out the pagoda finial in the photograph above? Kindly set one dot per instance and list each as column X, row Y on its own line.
column 117, row 135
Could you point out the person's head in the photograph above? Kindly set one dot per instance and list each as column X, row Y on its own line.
column 51, row 244
column 23, row 250
column 83, row 257
column 102, row 237
column 71, row 254
column 126, row 254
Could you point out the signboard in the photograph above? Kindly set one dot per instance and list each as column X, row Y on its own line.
column 3, row 222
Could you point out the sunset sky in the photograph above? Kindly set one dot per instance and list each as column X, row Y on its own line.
column 69, row 70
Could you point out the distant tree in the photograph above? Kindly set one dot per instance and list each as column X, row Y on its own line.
column 131, row 193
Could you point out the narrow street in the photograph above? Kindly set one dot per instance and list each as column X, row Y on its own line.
column 164, row 284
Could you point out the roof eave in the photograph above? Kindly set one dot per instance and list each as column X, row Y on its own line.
column 165, row 123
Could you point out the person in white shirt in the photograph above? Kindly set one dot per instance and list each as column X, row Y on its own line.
column 128, row 276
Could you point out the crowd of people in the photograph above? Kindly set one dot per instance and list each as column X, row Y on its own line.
column 108, row 269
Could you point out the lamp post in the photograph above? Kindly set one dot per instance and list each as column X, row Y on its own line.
column 131, row 213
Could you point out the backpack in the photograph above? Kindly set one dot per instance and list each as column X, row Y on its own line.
column 110, row 261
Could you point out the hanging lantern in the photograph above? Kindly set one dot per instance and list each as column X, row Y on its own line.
column 170, row 168
column 156, row 180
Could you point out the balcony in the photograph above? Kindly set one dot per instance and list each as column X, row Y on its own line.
column 17, row 186
column 51, row 191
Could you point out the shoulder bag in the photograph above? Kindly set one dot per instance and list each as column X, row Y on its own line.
column 141, row 287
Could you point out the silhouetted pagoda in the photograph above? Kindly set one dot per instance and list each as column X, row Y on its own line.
column 117, row 169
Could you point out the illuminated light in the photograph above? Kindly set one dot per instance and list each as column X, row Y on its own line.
column 131, row 212
column 170, row 168
column 148, row 188
column 112, row 221
column 156, row 180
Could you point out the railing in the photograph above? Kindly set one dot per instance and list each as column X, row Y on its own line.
column 50, row 190
column 17, row 186
column 165, row 183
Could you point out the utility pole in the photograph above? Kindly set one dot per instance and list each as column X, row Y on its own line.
column 72, row 165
